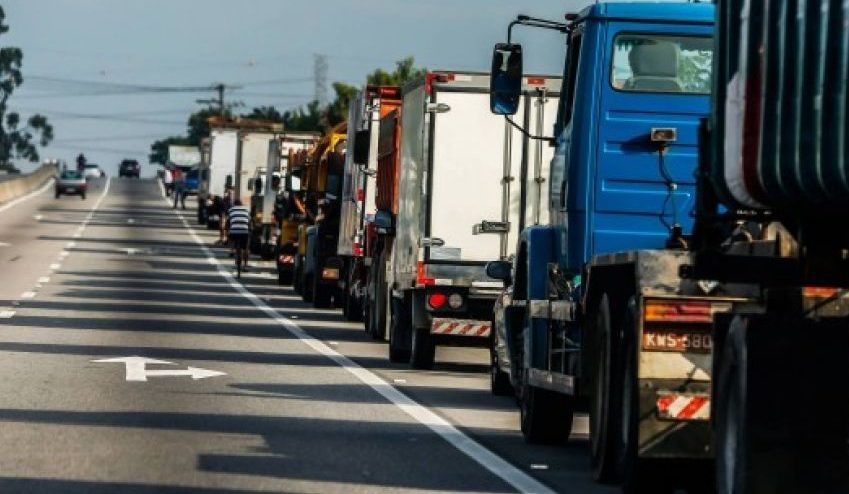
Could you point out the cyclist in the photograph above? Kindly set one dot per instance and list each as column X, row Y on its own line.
column 239, row 227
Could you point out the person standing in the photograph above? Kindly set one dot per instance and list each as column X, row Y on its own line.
column 180, row 189
column 168, row 181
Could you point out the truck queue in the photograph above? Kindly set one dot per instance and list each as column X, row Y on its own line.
column 617, row 265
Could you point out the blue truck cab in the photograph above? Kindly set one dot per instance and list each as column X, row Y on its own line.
column 636, row 82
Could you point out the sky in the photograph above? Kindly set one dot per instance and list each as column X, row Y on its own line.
column 265, row 46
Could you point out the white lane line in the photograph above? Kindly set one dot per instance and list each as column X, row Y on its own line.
column 55, row 266
column 28, row 294
column 26, row 197
column 5, row 244
column 70, row 245
column 63, row 254
column 471, row 448
column 7, row 314
column 37, row 217
column 44, row 279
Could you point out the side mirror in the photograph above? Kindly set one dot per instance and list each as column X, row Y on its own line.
column 499, row 270
column 505, row 82
column 362, row 139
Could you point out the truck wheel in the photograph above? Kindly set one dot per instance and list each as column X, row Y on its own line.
column 353, row 307
column 423, row 349
column 546, row 416
column 297, row 276
column 399, row 333
column 499, row 381
column 284, row 277
column 606, row 399
column 322, row 295
column 379, row 306
column 307, row 289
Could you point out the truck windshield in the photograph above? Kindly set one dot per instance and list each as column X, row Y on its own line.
column 662, row 63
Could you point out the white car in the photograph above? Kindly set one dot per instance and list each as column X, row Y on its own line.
column 93, row 170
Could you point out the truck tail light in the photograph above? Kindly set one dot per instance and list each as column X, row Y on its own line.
column 421, row 275
column 680, row 311
column 357, row 249
column 437, row 300
column 819, row 291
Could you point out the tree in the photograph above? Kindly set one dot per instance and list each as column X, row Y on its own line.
column 303, row 119
column 265, row 113
column 17, row 135
column 159, row 149
column 198, row 124
column 405, row 71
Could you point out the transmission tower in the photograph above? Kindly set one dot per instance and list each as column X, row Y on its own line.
column 320, row 77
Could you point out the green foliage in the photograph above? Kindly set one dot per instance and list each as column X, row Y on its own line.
column 19, row 137
column 266, row 113
column 405, row 71
column 159, row 149
column 198, row 125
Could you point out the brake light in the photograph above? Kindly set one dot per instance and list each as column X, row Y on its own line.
column 357, row 249
column 437, row 300
column 421, row 275
column 683, row 311
column 361, row 195
column 536, row 81
column 819, row 291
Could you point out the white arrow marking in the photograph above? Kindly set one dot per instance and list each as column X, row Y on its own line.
column 137, row 371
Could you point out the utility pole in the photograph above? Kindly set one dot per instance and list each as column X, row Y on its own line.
column 220, row 88
column 320, row 77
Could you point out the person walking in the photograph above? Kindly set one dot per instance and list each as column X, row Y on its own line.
column 180, row 190
column 239, row 229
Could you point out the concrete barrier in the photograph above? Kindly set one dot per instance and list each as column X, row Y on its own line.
column 17, row 185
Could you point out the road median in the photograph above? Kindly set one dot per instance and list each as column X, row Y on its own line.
column 14, row 186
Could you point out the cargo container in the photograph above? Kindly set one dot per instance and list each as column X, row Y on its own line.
column 357, row 204
column 454, row 210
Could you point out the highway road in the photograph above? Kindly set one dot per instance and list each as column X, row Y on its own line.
column 133, row 361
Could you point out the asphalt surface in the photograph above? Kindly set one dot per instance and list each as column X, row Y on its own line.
column 306, row 402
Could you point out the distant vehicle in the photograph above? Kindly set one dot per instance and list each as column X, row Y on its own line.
column 92, row 170
column 71, row 182
column 129, row 168
column 191, row 180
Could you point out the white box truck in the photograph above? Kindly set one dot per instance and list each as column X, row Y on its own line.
column 217, row 172
column 469, row 183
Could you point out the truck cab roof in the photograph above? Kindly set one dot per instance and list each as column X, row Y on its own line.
column 696, row 13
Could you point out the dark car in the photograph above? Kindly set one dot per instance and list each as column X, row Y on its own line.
column 71, row 182
column 129, row 168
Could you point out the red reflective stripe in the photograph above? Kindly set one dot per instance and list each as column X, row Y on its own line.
column 664, row 401
column 482, row 330
column 694, row 406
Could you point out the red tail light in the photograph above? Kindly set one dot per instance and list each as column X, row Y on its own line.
column 357, row 250
column 684, row 311
column 421, row 275
column 361, row 195
column 437, row 300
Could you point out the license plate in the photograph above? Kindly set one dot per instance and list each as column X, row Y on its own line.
column 677, row 341
column 70, row 189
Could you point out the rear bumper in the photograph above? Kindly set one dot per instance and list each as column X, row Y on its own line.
column 468, row 328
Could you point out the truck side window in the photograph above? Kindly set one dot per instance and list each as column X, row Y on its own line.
column 571, row 76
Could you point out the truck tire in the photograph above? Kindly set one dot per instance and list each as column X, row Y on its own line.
column 606, row 448
column 322, row 295
column 307, row 289
column 546, row 416
column 378, row 307
column 499, row 381
column 399, row 333
column 728, row 412
column 423, row 349
column 284, row 277
column 353, row 307
column 297, row 276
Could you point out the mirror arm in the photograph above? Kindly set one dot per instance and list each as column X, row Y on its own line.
column 528, row 134
column 524, row 20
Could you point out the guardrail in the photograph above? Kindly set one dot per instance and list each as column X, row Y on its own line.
column 14, row 186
